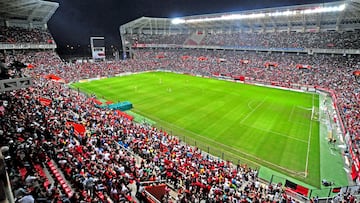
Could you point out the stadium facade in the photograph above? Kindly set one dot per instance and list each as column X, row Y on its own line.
column 28, row 15
column 341, row 16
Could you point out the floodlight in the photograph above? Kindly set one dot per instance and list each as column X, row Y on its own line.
column 325, row 9
column 261, row 14
column 242, row 16
column 176, row 21
column 282, row 13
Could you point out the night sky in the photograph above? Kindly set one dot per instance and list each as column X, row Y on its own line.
column 76, row 20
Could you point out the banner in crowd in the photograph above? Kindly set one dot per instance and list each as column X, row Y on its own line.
column 120, row 113
column 302, row 66
column 271, row 64
column 355, row 172
column 296, row 188
column 356, row 73
column 185, row 57
column 137, row 45
column 239, row 77
column 45, row 101
column 30, row 66
column 97, row 102
column 244, row 61
column 54, row 78
column 78, row 128
column 160, row 56
column 202, row 58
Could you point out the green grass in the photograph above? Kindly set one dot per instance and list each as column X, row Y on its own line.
column 257, row 125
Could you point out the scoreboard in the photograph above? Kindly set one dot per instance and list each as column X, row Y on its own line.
column 98, row 48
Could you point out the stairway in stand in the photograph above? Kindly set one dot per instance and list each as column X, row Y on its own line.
column 59, row 177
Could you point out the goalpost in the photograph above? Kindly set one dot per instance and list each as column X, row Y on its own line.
column 314, row 112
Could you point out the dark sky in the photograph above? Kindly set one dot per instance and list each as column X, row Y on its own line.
column 76, row 20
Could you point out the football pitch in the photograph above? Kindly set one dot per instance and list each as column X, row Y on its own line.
column 258, row 126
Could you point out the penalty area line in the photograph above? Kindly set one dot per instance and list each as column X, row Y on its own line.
column 253, row 110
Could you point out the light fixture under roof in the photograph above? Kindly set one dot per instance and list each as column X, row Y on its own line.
column 260, row 15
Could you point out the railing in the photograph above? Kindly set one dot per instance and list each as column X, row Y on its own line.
column 5, row 182
column 151, row 197
column 27, row 46
column 253, row 48
column 14, row 84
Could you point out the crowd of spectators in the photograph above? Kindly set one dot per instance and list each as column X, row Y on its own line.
column 14, row 35
column 324, row 40
column 95, row 164
column 300, row 40
column 326, row 71
column 100, row 165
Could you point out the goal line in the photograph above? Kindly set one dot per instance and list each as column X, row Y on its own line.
column 314, row 113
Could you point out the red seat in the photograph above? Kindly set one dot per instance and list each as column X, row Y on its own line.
column 53, row 169
column 23, row 172
column 66, row 188
column 41, row 173
column 68, row 191
column 57, row 174
column 46, row 183
column 69, row 194
column 62, row 181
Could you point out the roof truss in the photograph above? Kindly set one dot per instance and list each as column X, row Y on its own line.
column 27, row 10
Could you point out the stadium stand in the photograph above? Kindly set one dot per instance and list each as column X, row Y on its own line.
column 290, row 47
column 284, row 39
column 324, row 40
column 14, row 35
column 83, row 157
column 67, row 148
column 49, row 158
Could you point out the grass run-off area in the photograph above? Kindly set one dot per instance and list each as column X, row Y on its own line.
column 249, row 124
